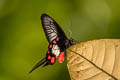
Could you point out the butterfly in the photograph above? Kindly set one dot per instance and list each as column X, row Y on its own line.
column 58, row 42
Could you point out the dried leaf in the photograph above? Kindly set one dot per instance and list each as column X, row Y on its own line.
column 94, row 60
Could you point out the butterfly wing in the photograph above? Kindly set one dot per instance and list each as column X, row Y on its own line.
column 52, row 31
column 51, row 28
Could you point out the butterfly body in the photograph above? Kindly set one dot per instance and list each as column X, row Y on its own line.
column 58, row 42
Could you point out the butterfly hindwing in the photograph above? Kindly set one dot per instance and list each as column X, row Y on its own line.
column 51, row 28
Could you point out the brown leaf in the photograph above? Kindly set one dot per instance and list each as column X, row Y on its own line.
column 94, row 60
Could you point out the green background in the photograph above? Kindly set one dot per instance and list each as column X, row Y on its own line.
column 23, row 42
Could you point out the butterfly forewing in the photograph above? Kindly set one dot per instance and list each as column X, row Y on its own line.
column 51, row 28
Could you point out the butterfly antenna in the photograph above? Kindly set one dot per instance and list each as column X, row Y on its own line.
column 70, row 33
column 70, row 25
column 38, row 64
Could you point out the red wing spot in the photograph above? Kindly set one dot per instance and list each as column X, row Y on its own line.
column 50, row 46
column 54, row 41
column 57, row 39
column 52, row 60
column 61, row 57
column 56, row 57
column 48, row 52
column 49, row 57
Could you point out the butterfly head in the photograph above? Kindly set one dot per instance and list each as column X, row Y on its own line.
column 69, row 42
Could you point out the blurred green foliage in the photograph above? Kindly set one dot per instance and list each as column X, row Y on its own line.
column 23, row 42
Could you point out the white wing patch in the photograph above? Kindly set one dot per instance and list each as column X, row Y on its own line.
column 52, row 36
column 55, row 50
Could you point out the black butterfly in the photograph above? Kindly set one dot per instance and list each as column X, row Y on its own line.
column 58, row 42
